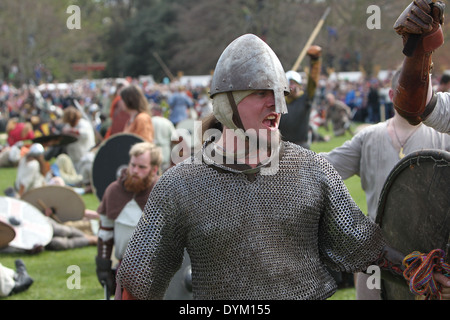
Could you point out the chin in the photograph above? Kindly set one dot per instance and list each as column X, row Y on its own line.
column 268, row 141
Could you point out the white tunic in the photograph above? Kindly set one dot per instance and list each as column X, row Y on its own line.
column 29, row 175
column 371, row 155
column 86, row 140
column 440, row 117
column 123, row 226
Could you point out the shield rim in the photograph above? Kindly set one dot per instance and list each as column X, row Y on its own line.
column 416, row 158
column 7, row 234
column 410, row 159
column 64, row 139
column 76, row 207
column 43, row 222
column 104, row 143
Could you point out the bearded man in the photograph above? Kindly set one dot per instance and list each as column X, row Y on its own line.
column 122, row 204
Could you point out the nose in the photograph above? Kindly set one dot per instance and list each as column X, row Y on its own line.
column 133, row 170
column 270, row 100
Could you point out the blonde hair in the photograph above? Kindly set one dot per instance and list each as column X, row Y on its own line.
column 142, row 147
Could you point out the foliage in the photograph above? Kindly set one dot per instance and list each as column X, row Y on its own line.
column 35, row 37
column 189, row 35
column 150, row 31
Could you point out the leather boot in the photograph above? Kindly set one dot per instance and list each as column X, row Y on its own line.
column 23, row 280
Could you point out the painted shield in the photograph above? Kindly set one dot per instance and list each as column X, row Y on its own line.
column 414, row 210
column 7, row 234
column 30, row 225
column 111, row 157
column 65, row 202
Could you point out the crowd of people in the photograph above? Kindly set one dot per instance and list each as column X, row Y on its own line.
column 30, row 112
column 305, row 218
column 93, row 113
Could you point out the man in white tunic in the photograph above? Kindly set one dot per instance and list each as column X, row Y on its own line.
column 373, row 153
column 80, row 150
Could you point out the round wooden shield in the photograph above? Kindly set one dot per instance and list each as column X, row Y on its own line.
column 65, row 202
column 30, row 225
column 55, row 139
column 414, row 210
column 111, row 156
column 7, row 234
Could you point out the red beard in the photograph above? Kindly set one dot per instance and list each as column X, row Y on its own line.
column 137, row 185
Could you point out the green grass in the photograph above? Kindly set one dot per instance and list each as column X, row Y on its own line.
column 354, row 183
column 54, row 280
column 49, row 269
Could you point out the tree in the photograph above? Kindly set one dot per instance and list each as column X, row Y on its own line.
column 190, row 35
column 26, row 41
column 365, row 35
column 36, row 39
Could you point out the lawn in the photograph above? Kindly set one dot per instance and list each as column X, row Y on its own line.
column 70, row 275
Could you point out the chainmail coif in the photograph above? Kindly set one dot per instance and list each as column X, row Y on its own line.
column 262, row 238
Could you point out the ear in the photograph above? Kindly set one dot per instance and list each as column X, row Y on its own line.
column 391, row 94
column 154, row 170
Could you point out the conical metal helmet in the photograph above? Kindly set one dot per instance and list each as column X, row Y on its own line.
column 248, row 63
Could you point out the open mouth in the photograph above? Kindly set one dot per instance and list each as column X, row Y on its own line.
column 271, row 121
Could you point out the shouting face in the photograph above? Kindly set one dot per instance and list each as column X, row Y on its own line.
column 257, row 112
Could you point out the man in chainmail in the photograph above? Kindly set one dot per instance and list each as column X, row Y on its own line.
column 259, row 217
